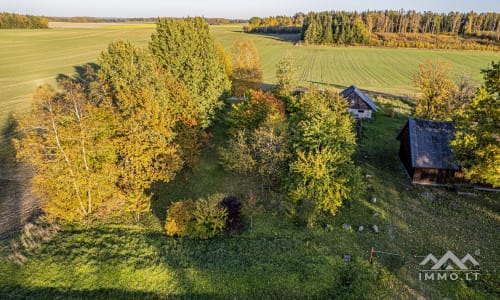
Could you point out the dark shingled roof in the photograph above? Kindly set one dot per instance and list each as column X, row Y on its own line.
column 354, row 90
column 430, row 144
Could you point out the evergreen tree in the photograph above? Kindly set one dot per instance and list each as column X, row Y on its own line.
column 184, row 49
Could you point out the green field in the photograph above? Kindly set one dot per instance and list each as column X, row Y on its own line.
column 29, row 58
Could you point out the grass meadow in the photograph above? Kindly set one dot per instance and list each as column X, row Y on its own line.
column 273, row 258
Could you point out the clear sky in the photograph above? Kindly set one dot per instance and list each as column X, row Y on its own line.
column 229, row 8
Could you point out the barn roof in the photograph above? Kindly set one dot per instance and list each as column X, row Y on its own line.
column 430, row 144
column 353, row 90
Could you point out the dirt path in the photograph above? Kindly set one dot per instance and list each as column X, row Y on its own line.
column 17, row 202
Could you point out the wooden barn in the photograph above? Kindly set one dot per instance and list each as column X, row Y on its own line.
column 360, row 105
column 426, row 153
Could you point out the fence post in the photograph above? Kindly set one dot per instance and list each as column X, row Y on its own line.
column 371, row 255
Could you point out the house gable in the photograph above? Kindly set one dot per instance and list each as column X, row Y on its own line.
column 357, row 99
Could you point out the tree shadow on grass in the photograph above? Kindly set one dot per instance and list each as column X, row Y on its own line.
column 290, row 263
column 17, row 204
column 24, row 292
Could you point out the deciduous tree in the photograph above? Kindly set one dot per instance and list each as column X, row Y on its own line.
column 149, row 106
column 247, row 70
column 477, row 139
column 285, row 73
column 324, row 142
column 250, row 114
column 260, row 142
column 435, row 89
column 461, row 94
column 66, row 140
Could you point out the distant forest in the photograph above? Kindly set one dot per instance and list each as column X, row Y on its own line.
column 388, row 28
column 11, row 21
column 211, row 21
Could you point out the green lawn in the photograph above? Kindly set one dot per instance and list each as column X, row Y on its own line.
column 274, row 258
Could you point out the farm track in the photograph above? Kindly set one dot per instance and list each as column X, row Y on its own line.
column 17, row 202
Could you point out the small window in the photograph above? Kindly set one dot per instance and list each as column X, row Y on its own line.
column 361, row 111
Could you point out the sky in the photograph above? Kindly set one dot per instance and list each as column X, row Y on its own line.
column 229, row 8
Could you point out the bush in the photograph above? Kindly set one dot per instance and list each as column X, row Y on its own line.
column 202, row 219
column 180, row 219
column 250, row 114
column 234, row 220
column 210, row 218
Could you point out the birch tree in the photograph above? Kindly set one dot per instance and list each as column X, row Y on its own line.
column 65, row 139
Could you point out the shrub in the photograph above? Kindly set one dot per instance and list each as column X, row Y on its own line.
column 180, row 219
column 234, row 220
column 210, row 218
column 250, row 114
column 202, row 219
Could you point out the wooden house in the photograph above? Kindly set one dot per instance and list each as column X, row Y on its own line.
column 360, row 105
column 426, row 153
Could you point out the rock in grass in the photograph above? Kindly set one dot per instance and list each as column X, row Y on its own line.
column 376, row 214
column 346, row 257
column 361, row 228
column 375, row 228
column 373, row 200
column 328, row 227
column 347, row 227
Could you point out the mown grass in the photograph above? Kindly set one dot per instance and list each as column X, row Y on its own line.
column 275, row 258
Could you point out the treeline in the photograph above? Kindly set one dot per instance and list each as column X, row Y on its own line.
column 454, row 30
column 11, row 21
column 429, row 22
column 278, row 24
column 325, row 27
column 335, row 28
column 211, row 21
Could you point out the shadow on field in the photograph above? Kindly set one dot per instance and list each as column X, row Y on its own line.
column 288, row 37
column 17, row 203
column 258, row 265
column 22, row 292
